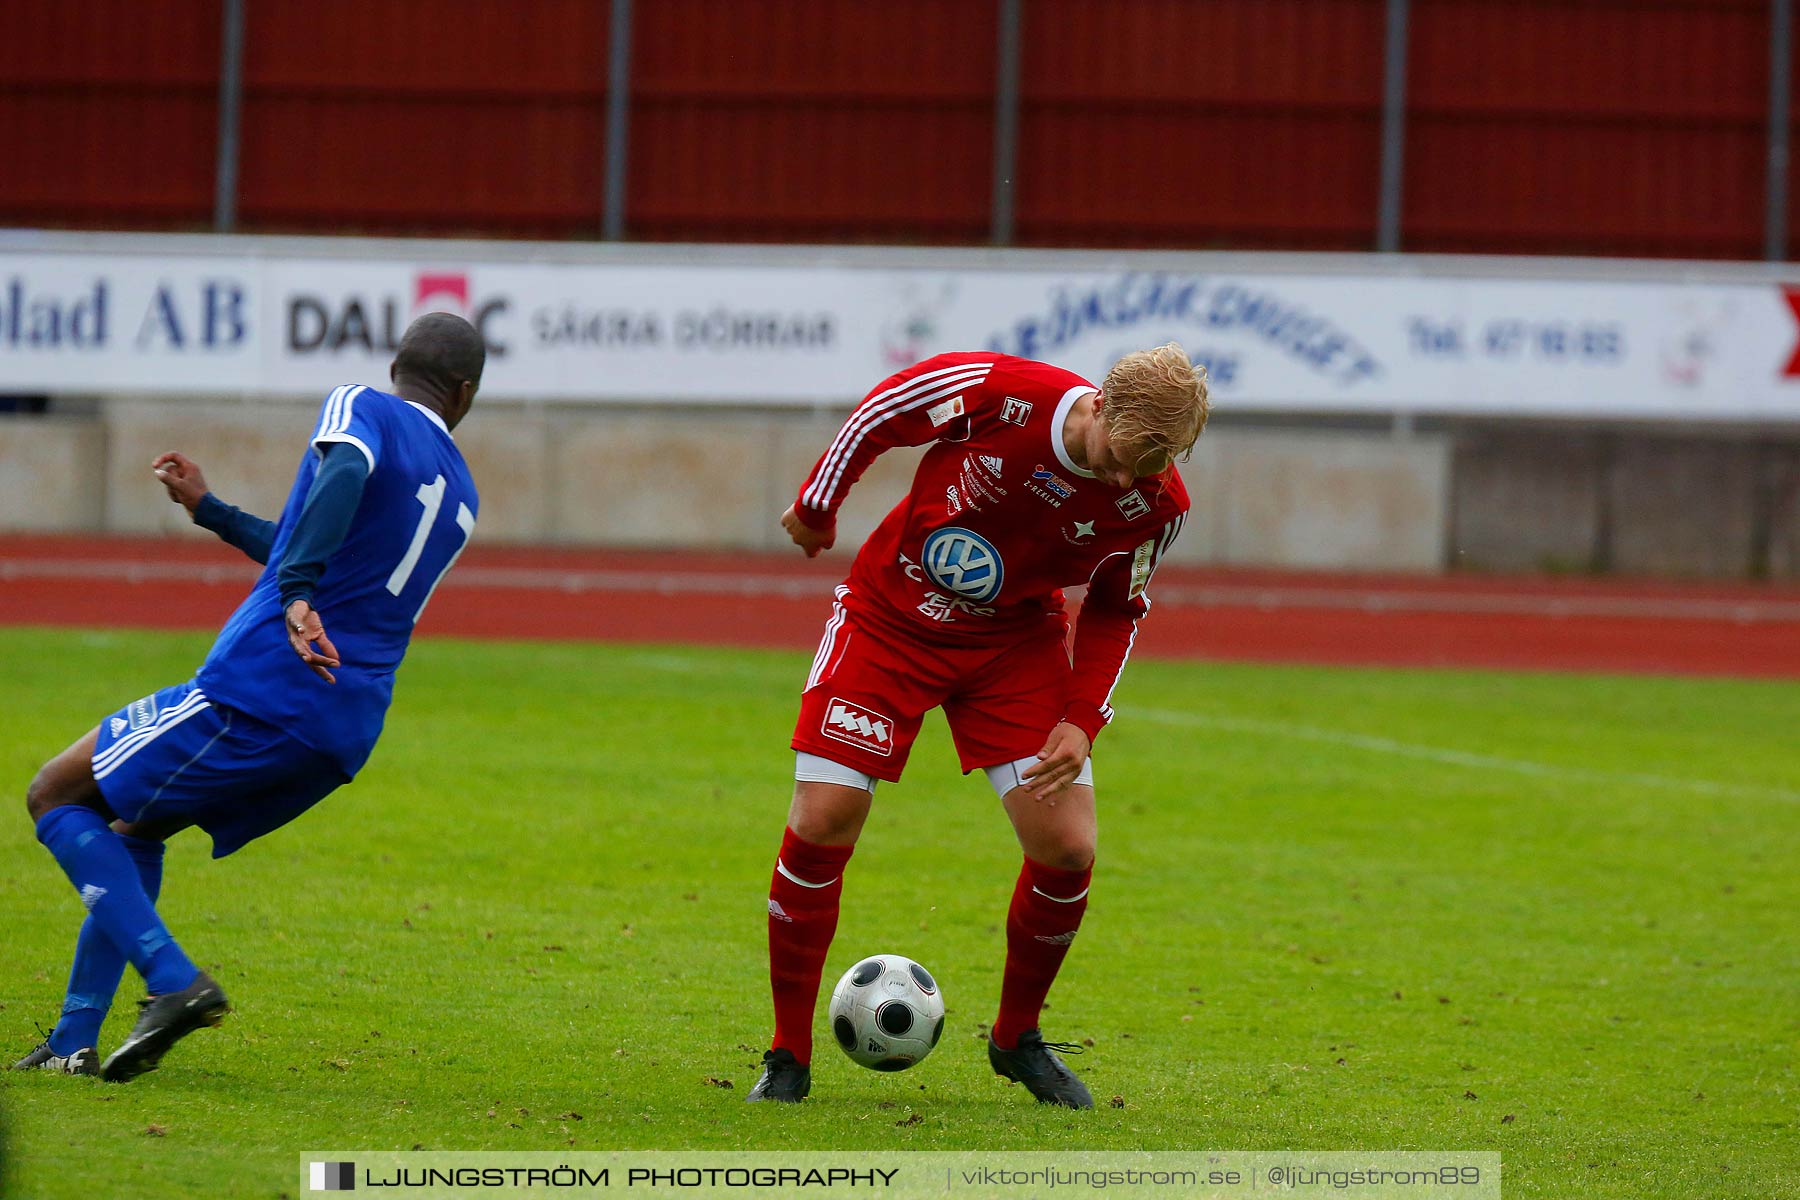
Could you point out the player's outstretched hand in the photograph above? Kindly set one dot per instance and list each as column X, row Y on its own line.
column 1059, row 762
column 181, row 476
column 303, row 629
column 805, row 536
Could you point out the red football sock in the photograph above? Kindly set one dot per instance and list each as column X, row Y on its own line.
column 803, row 914
column 1046, row 911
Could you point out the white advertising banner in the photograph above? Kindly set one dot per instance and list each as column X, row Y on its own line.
column 256, row 321
column 98, row 323
column 579, row 333
column 1384, row 343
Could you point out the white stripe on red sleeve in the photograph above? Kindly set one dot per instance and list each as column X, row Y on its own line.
column 821, row 493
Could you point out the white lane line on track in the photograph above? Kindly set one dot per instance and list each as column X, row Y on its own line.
column 1505, row 603
column 538, row 579
column 125, row 570
column 727, row 583
column 1455, row 758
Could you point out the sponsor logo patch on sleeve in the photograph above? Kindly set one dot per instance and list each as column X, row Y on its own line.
column 1143, row 562
column 948, row 411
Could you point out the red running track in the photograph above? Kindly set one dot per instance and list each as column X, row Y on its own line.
column 781, row 600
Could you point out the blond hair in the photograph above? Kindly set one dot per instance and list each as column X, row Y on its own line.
column 1156, row 400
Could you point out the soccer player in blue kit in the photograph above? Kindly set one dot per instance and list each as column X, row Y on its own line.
column 281, row 713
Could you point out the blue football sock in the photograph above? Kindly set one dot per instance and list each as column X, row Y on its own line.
column 98, row 967
column 97, row 863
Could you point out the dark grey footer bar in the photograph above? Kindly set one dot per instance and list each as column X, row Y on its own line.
column 964, row 1175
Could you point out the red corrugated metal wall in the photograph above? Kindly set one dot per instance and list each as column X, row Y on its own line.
column 425, row 116
column 795, row 120
column 1169, row 123
column 108, row 113
column 1792, row 249
column 1547, row 126
column 1588, row 127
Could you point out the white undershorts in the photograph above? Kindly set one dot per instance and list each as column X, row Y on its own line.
column 810, row 768
column 1008, row 776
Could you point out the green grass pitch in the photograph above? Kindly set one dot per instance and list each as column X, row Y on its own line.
column 1552, row 916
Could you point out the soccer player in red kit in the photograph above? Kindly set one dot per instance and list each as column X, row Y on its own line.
column 1036, row 480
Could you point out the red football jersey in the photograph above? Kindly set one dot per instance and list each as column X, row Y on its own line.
column 1000, row 519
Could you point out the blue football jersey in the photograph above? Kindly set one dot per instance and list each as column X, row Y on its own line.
column 416, row 515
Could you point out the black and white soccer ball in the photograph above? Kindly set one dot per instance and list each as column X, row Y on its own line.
column 887, row 1012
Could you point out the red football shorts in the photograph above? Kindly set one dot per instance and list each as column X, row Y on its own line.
column 871, row 686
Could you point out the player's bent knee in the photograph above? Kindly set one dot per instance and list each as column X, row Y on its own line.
column 1065, row 846
column 831, row 801
column 832, row 818
column 34, row 804
column 1071, row 855
column 66, row 779
column 42, row 794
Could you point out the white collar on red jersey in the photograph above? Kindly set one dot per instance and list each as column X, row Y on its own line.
column 1056, row 428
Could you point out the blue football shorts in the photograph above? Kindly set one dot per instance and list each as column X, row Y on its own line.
column 176, row 755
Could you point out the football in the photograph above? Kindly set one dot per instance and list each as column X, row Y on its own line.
column 887, row 1012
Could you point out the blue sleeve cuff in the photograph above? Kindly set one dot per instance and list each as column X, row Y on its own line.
column 235, row 527
column 212, row 513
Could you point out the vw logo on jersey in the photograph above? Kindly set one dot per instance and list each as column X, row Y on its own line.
column 964, row 562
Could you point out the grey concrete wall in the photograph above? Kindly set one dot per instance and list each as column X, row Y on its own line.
column 1783, row 509
column 248, row 453
column 50, row 474
column 1344, row 501
column 1632, row 501
column 720, row 479
column 1682, row 507
column 572, row 476
column 697, row 479
column 1485, row 497
column 1529, row 501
